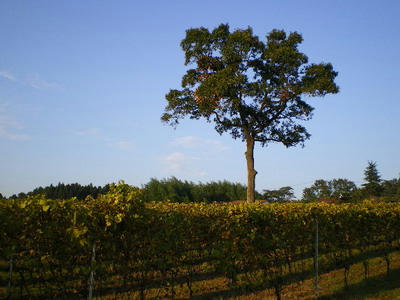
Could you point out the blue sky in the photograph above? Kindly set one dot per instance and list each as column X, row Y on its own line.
column 82, row 87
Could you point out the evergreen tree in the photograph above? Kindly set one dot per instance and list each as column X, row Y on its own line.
column 66, row 191
column 372, row 187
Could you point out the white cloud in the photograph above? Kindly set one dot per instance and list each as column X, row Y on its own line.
column 186, row 141
column 86, row 132
column 39, row 83
column 34, row 80
column 95, row 133
column 8, row 127
column 199, row 173
column 3, row 107
column 177, row 163
column 196, row 142
column 7, row 75
column 125, row 145
column 217, row 145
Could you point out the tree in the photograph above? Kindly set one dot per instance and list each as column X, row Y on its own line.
column 372, row 187
column 343, row 189
column 339, row 188
column 284, row 194
column 391, row 189
column 319, row 190
column 252, row 89
column 175, row 190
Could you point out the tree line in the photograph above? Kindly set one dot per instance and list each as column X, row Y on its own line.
column 65, row 191
column 182, row 191
column 343, row 190
column 176, row 190
column 169, row 189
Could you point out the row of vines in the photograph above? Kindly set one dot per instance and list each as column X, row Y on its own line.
column 129, row 245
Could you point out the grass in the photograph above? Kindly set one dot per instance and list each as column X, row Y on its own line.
column 379, row 285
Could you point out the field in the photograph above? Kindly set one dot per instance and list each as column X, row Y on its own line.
column 119, row 247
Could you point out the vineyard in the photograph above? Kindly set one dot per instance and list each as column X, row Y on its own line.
column 118, row 243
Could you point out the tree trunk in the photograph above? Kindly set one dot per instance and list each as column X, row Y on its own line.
column 251, row 173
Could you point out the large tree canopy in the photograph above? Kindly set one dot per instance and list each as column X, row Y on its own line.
column 339, row 188
column 252, row 89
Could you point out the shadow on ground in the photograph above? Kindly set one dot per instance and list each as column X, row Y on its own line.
column 377, row 287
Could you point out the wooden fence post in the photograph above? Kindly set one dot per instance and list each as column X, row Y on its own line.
column 316, row 260
column 10, row 263
column 91, row 281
